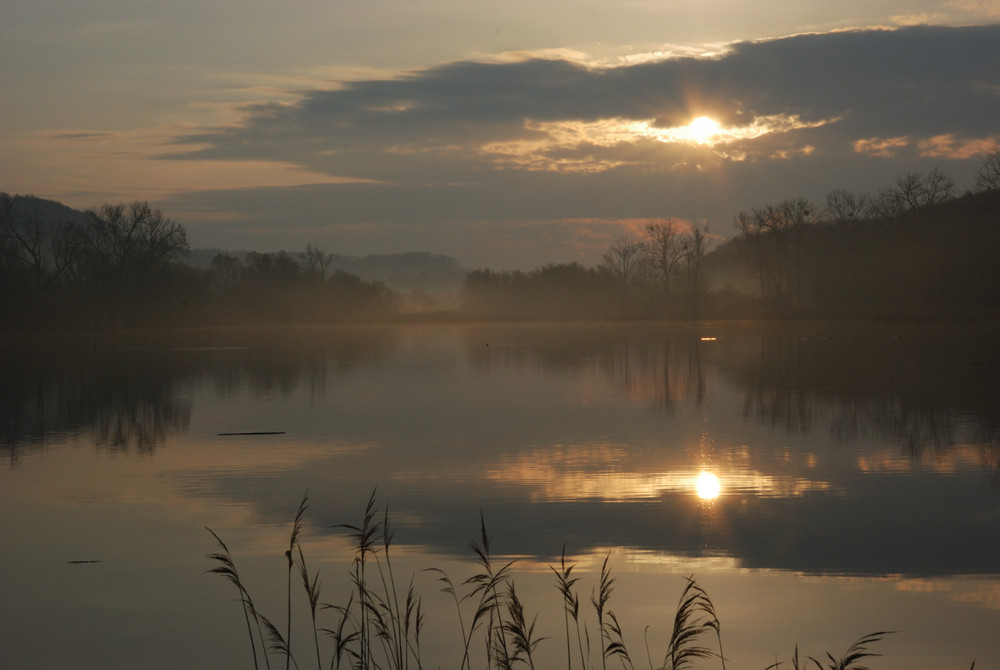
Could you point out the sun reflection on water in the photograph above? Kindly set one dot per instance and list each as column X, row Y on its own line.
column 603, row 472
column 707, row 486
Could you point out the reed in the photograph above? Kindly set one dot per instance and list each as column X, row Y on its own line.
column 694, row 617
column 227, row 568
column 522, row 634
column 571, row 606
column 379, row 627
column 365, row 536
column 486, row 586
column 858, row 650
column 290, row 556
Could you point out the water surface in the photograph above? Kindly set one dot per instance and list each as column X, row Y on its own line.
column 857, row 466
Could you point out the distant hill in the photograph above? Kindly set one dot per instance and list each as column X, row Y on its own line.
column 406, row 271
column 47, row 210
column 415, row 270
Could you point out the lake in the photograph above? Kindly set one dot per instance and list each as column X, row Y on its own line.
column 820, row 481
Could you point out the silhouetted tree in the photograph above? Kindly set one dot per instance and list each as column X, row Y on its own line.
column 624, row 262
column 275, row 269
column 227, row 270
column 44, row 249
column 988, row 175
column 914, row 191
column 128, row 243
column 842, row 206
column 662, row 255
column 773, row 235
column 988, row 180
column 316, row 262
column 695, row 245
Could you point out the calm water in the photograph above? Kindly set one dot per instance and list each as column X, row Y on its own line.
column 858, row 469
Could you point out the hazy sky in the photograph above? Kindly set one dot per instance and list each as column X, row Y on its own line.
column 509, row 134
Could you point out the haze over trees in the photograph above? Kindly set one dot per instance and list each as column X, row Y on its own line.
column 913, row 249
column 120, row 265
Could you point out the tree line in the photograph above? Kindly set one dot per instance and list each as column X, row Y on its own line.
column 120, row 265
column 914, row 249
column 660, row 274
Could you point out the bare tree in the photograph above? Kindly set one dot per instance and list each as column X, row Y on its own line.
column 695, row 245
column 988, row 175
column 623, row 260
column 662, row 254
column 845, row 207
column 988, row 180
column 773, row 238
column 316, row 262
column 128, row 242
column 228, row 270
column 45, row 248
column 915, row 191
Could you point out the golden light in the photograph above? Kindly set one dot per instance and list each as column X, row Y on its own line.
column 704, row 129
column 707, row 486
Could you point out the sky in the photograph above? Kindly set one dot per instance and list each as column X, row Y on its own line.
column 507, row 135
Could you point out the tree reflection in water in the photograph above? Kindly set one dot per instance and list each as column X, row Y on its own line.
column 130, row 391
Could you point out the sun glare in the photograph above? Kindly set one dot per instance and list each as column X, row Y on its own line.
column 703, row 129
column 708, row 486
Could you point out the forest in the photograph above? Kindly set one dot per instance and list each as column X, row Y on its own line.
column 917, row 249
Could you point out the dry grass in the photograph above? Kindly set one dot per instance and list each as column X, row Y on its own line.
column 379, row 627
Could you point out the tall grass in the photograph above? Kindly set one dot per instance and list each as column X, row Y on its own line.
column 227, row 568
column 379, row 626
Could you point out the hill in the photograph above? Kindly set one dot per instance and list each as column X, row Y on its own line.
column 405, row 272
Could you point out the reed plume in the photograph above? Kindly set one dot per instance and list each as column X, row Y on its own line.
column 599, row 599
column 364, row 536
column 290, row 557
column 522, row 634
column 380, row 628
column 694, row 617
column 485, row 585
column 227, row 569
column 571, row 606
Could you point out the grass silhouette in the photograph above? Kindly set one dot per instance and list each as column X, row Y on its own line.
column 379, row 629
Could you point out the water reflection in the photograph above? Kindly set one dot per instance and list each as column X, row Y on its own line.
column 822, row 439
column 122, row 399
column 868, row 453
column 131, row 391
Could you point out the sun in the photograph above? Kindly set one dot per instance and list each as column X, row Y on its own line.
column 703, row 129
column 707, row 486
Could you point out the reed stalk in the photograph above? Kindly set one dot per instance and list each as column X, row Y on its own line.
column 227, row 569
column 290, row 557
column 312, row 587
column 449, row 588
column 695, row 616
column 571, row 605
column 381, row 630
column 365, row 536
column 485, row 585
column 599, row 599
column 522, row 634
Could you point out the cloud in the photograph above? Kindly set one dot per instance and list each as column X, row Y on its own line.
column 884, row 147
column 988, row 9
column 556, row 138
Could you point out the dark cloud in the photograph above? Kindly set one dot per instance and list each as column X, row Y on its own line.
column 549, row 139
